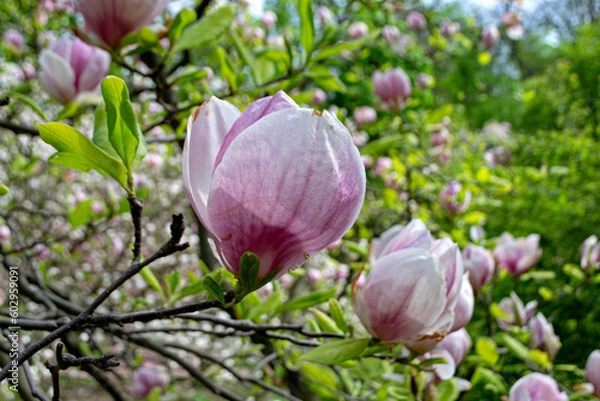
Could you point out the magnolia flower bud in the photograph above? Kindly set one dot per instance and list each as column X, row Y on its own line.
column 412, row 289
column 319, row 97
column 111, row 20
column 479, row 262
column 416, row 21
column 424, row 80
column 490, row 36
column 358, row 30
column 4, row 234
column 541, row 335
column 145, row 379
column 454, row 199
column 476, row 233
column 592, row 371
column 70, row 67
column 14, row 38
column 269, row 19
column 517, row 255
column 590, row 253
column 536, row 387
column 364, row 115
column 243, row 178
column 393, row 87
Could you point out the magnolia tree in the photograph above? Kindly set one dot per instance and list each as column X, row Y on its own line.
column 198, row 203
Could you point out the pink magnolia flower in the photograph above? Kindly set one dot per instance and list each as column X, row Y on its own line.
column 145, row 379
column 517, row 255
column 424, row 80
column 542, row 336
column 277, row 180
column 463, row 311
column 14, row 38
column 454, row 199
column 497, row 156
column 590, row 253
column 536, row 387
column 480, row 264
column 358, row 30
column 111, row 20
column 412, row 288
column 592, row 371
column 458, row 344
column 515, row 312
column 440, row 137
column 490, row 36
column 393, row 87
column 70, row 67
column 269, row 19
column 416, row 21
column 390, row 33
column 364, row 115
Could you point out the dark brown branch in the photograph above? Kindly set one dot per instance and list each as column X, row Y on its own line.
column 19, row 129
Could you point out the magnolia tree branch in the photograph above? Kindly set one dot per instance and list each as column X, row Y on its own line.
column 170, row 247
column 236, row 374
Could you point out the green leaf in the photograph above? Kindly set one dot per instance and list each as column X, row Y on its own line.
column 31, row 103
column 307, row 29
column 181, row 21
column 326, row 323
column 150, row 278
column 306, row 301
column 123, row 131
column 249, row 268
column 68, row 111
column 490, row 380
column 432, row 361
column 448, row 390
column 326, row 80
column 335, row 310
column 268, row 305
column 486, row 348
column 191, row 289
column 336, row 49
column 100, row 137
column 213, row 288
column 515, row 347
column 246, row 57
column 81, row 214
column 3, row 190
column 77, row 152
column 207, row 30
column 336, row 351
column 227, row 69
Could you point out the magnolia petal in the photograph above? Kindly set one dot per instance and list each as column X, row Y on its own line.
column 207, row 128
column 444, row 371
column 57, row 77
column 404, row 294
column 284, row 195
column 414, row 235
column 451, row 260
column 93, row 73
column 252, row 114
column 378, row 245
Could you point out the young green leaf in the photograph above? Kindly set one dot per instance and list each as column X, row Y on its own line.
column 123, row 131
column 227, row 69
column 181, row 21
column 326, row 323
column 100, row 137
column 150, row 278
column 207, row 30
column 81, row 214
column 307, row 29
column 4, row 190
column 77, row 152
column 306, row 301
column 335, row 310
column 249, row 268
column 213, row 288
column 268, row 305
column 336, row 351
